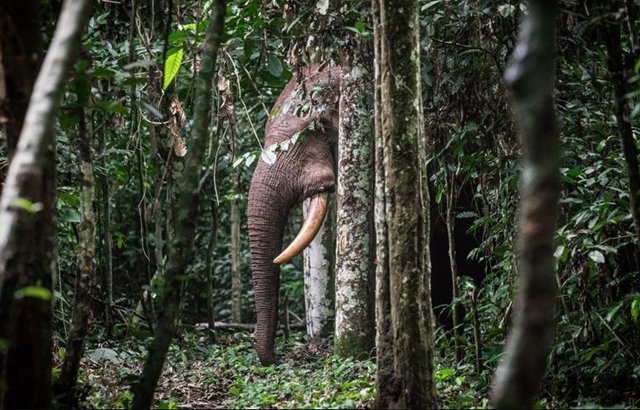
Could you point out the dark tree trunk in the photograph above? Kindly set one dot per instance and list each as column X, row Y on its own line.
column 618, row 71
column 530, row 78
column 185, row 213
column 20, row 58
column 65, row 386
column 405, row 215
column 26, row 227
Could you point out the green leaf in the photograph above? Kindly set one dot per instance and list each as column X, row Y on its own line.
column 36, row 292
column 274, row 66
column 635, row 309
column 172, row 65
column 431, row 4
column 596, row 256
column 105, row 354
column 27, row 205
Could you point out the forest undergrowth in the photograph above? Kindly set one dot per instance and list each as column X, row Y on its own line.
column 221, row 370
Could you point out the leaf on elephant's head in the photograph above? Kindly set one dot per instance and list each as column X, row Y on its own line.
column 269, row 156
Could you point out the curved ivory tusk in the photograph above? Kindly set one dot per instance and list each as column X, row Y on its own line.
column 315, row 216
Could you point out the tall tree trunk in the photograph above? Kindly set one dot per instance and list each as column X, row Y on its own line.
column 20, row 58
column 66, row 383
column 319, row 275
column 451, row 238
column 236, row 274
column 618, row 72
column 107, row 241
column 405, row 215
column 530, row 78
column 210, row 271
column 26, row 226
column 354, row 245
column 185, row 213
column 387, row 385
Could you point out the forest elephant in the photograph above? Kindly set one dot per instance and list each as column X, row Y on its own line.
column 301, row 138
column 299, row 162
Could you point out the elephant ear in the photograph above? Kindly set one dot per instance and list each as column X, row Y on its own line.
column 307, row 98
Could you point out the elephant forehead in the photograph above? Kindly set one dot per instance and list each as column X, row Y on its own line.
column 284, row 126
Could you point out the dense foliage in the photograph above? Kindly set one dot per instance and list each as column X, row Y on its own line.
column 141, row 64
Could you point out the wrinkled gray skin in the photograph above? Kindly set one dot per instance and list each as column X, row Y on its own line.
column 303, row 170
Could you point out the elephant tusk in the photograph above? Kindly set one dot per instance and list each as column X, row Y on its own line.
column 315, row 216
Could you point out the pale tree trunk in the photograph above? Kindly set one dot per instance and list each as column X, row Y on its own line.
column 185, row 214
column 65, row 386
column 27, row 230
column 405, row 216
column 319, row 268
column 354, row 334
column 530, row 78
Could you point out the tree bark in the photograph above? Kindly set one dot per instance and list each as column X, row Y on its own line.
column 530, row 78
column 65, row 386
column 354, row 334
column 618, row 72
column 319, row 276
column 405, row 215
column 20, row 58
column 387, row 385
column 236, row 274
column 451, row 204
column 26, row 226
column 185, row 213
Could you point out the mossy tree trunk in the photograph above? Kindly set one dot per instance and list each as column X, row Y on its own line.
column 185, row 213
column 27, row 206
column 530, row 78
column 354, row 334
column 402, row 211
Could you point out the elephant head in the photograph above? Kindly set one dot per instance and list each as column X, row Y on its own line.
column 302, row 131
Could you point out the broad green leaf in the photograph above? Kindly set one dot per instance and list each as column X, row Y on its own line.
column 36, row 292
column 172, row 65
column 561, row 253
column 431, row 4
column 596, row 256
column 274, row 66
column 31, row 207
column 635, row 309
column 105, row 354
column 322, row 6
column 4, row 345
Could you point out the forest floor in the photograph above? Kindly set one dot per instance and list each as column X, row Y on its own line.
column 203, row 371
column 221, row 370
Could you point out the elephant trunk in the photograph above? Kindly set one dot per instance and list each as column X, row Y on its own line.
column 272, row 195
column 267, row 214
